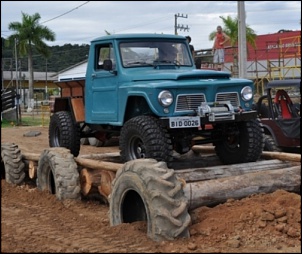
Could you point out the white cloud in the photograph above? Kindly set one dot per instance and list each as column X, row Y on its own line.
column 78, row 22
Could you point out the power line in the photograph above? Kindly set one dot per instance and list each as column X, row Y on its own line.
column 66, row 12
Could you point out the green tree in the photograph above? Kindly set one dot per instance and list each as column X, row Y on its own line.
column 231, row 29
column 29, row 36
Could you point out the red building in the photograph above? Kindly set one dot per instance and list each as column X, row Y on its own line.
column 272, row 46
column 276, row 56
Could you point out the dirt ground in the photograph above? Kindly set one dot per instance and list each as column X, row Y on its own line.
column 35, row 221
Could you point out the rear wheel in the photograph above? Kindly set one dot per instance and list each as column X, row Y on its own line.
column 144, row 137
column 63, row 132
column 243, row 142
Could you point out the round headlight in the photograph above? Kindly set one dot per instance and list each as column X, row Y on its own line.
column 247, row 93
column 165, row 98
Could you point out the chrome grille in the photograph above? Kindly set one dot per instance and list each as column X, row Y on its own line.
column 232, row 97
column 186, row 102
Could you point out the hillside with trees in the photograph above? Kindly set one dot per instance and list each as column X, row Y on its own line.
column 61, row 57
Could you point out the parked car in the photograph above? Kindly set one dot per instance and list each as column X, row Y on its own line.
column 279, row 111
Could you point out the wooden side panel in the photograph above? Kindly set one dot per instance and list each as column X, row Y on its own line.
column 72, row 88
column 78, row 109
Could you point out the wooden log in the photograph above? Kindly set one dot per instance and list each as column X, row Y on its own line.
column 32, row 169
column 203, row 149
column 96, row 183
column 94, row 164
column 88, row 179
column 111, row 157
column 281, row 156
column 217, row 191
column 30, row 156
column 100, row 156
column 265, row 154
column 220, row 171
column 106, row 182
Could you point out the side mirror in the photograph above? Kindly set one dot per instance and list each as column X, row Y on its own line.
column 107, row 65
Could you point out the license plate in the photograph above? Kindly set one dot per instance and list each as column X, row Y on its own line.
column 184, row 122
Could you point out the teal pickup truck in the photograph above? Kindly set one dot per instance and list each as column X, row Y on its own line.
column 146, row 90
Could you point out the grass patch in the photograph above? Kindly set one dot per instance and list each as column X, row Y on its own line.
column 35, row 120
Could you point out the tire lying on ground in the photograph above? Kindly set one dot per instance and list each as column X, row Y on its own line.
column 147, row 190
column 58, row 173
column 13, row 166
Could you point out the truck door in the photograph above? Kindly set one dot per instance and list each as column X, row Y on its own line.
column 102, row 95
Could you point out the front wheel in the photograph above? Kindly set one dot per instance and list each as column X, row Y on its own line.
column 241, row 142
column 63, row 132
column 144, row 137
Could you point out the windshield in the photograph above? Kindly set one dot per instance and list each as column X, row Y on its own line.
column 142, row 53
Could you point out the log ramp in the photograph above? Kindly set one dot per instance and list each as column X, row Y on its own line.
column 205, row 181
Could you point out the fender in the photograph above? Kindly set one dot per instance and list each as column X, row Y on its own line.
column 73, row 105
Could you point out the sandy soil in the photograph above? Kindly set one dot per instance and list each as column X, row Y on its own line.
column 34, row 221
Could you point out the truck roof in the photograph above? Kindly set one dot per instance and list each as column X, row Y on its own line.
column 139, row 36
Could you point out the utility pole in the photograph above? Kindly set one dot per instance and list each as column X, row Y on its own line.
column 180, row 27
column 46, row 90
column 242, row 54
column 18, row 113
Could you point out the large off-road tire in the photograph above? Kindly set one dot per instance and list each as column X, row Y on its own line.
column 270, row 145
column 144, row 137
column 13, row 166
column 147, row 190
column 244, row 143
column 63, row 132
column 58, row 173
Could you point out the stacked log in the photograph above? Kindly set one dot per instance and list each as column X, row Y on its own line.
column 205, row 186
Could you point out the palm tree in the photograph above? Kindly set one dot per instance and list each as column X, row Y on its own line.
column 29, row 35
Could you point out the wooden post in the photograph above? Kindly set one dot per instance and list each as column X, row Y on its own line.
column 32, row 169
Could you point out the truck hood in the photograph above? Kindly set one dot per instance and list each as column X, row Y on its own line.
column 178, row 75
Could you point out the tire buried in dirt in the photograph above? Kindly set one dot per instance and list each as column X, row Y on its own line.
column 14, row 167
column 63, row 132
column 147, row 190
column 58, row 173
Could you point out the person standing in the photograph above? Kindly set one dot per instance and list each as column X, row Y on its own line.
column 218, row 48
column 191, row 46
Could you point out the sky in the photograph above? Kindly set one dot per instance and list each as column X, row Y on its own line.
column 79, row 22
